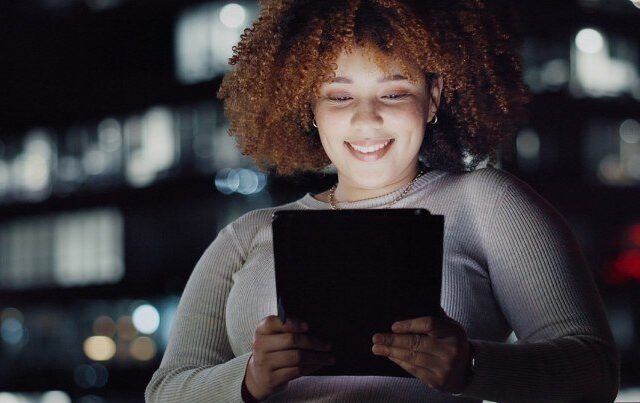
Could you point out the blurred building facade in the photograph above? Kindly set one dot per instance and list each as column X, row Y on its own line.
column 116, row 172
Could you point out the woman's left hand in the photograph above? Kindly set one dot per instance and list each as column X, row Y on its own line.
column 433, row 349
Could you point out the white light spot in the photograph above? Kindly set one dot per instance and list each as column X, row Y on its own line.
column 589, row 40
column 630, row 131
column 146, row 319
column 55, row 396
column 232, row 15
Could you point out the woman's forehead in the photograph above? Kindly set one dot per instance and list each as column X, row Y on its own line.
column 358, row 62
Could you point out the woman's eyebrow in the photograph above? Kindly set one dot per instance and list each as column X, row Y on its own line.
column 347, row 80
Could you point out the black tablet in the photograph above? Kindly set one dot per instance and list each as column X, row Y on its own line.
column 352, row 273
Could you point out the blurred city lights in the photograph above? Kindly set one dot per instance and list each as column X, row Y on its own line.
column 204, row 37
column 232, row 15
column 125, row 328
column 99, row 348
column 87, row 246
column 143, row 348
column 159, row 138
column 597, row 73
column 242, row 180
column 110, row 135
column 624, row 267
column 91, row 375
column 609, row 170
column 528, row 149
column 11, row 313
column 589, row 40
column 167, row 314
column 69, row 173
column 11, row 331
column 633, row 235
column 80, row 248
column 151, row 145
column 55, row 396
column 555, row 73
column 630, row 131
column 104, row 326
column 6, row 397
column 146, row 319
column 5, row 178
column 141, row 150
column 94, row 161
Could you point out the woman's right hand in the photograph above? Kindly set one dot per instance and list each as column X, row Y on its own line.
column 282, row 352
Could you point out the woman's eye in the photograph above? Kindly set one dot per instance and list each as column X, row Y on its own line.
column 397, row 96
column 390, row 96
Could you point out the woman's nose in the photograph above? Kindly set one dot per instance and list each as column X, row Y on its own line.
column 367, row 116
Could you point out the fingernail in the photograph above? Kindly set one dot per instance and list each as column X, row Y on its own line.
column 396, row 326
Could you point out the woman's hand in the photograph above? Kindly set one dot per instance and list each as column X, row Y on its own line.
column 433, row 349
column 282, row 352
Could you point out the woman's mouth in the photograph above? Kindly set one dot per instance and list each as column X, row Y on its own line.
column 369, row 153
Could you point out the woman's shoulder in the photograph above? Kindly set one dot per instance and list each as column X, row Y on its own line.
column 489, row 178
column 495, row 192
column 250, row 223
column 513, row 200
column 484, row 185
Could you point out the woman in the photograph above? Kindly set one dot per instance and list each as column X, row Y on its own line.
column 405, row 99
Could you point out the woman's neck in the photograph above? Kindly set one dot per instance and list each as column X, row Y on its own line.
column 349, row 191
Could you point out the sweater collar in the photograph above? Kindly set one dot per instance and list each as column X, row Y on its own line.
column 309, row 201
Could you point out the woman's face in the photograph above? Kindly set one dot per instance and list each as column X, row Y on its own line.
column 365, row 107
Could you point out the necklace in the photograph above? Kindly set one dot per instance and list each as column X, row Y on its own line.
column 404, row 192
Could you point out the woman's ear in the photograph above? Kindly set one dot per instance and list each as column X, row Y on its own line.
column 436, row 83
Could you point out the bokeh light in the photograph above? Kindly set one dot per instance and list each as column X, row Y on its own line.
column 232, row 15
column 99, row 348
column 125, row 328
column 146, row 318
column 589, row 40
column 104, row 326
column 143, row 348
column 55, row 396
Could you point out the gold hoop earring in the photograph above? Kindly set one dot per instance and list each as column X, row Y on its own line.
column 435, row 119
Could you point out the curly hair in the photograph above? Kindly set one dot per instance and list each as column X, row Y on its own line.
column 282, row 60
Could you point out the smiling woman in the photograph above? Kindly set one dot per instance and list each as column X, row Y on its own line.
column 371, row 86
column 374, row 111
column 284, row 61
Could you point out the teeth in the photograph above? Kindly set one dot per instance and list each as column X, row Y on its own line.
column 369, row 149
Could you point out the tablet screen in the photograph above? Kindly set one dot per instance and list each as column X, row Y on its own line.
column 352, row 273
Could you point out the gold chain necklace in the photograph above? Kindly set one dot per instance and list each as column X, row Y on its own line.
column 404, row 192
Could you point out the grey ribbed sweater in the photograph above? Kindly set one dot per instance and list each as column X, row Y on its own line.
column 510, row 263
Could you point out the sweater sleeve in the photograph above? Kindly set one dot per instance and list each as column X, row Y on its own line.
column 198, row 364
column 565, row 349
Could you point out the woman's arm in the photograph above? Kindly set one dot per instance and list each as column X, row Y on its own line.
column 565, row 349
column 198, row 364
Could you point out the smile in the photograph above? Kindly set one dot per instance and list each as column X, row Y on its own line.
column 371, row 153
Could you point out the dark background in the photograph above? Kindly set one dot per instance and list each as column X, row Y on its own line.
column 70, row 68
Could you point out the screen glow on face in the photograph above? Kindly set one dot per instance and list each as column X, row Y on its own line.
column 365, row 106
